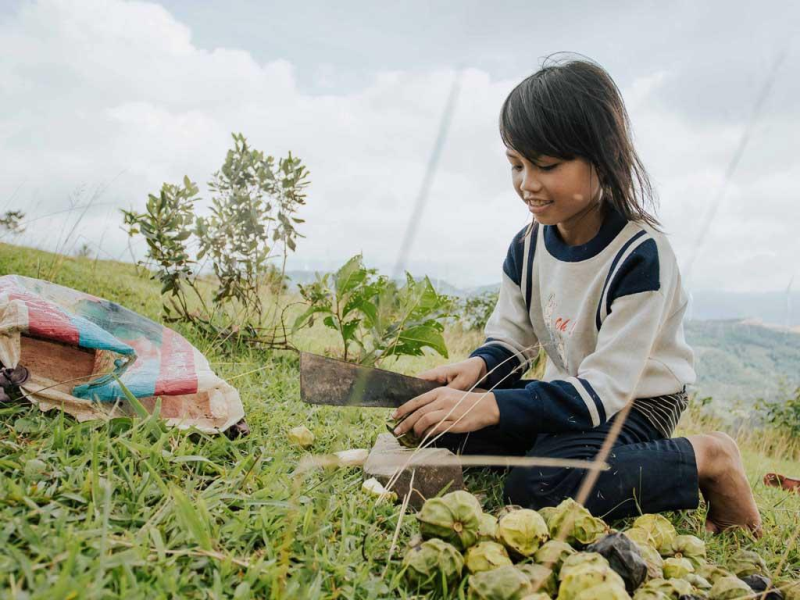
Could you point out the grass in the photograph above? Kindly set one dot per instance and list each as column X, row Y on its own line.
column 131, row 509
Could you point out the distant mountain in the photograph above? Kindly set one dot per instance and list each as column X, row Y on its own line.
column 740, row 361
column 777, row 308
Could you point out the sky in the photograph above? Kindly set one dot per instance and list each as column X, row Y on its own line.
column 102, row 101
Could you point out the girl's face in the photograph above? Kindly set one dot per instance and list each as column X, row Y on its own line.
column 557, row 191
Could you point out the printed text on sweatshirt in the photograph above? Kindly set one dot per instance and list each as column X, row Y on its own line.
column 609, row 315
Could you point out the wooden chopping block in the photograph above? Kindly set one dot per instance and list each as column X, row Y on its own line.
column 429, row 480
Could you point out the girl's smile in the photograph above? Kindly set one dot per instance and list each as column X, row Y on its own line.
column 537, row 206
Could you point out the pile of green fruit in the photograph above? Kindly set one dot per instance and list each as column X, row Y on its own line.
column 518, row 556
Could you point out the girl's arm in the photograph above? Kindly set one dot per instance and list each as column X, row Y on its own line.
column 510, row 344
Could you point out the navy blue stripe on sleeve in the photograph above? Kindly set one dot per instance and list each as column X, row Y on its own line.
column 611, row 272
column 543, row 407
column 641, row 272
column 601, row 410
column 512, row 266
column 529, row 266
column 507, row 373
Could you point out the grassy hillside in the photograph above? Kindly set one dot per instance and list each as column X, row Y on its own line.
column 738, row 362
column 129, row 509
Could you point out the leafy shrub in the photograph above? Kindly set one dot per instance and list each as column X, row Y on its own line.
column 476, row 310
column 83, row 251
column 11, row 221
column 783, row 414
column 252, row 222
column 252, row 210
column 374, row 317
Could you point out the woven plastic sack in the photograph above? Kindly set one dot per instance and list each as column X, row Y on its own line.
column 75, row 346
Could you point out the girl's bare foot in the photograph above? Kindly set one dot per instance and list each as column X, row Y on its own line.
column 724, row 484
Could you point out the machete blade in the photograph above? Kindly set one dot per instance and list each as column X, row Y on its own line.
column 335, row 382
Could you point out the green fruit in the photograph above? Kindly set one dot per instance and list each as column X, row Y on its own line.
column 747, row 562
column 540, row 577
column 670, row 588
column 536, row 596
column 689, row 547
column 580, row 560
column 522, row 531
column 655, row 564
column 454, row 518
column 578, row 524
column 676, row 567
column 485, row 556
column 660, row 529
column 548, row 513
column 698, row 583
column 487, row 529
column 647, row 594
column 604, row 591
column 640, row 536
column 552, row 554
column 712, row 573
column 582, row 578
column 680, row 587
column 301, row 436
column 431, row 563
column 503, row 583
column 729, row 588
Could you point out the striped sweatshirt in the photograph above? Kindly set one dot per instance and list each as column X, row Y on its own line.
column 609, row 315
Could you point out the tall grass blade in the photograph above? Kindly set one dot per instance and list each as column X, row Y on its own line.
column 191, row 520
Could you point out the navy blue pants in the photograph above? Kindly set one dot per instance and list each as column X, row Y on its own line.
column 648, row 473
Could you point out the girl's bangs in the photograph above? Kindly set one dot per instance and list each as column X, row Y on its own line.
column 533, row 129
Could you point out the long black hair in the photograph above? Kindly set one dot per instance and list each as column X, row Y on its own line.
column 571, row 108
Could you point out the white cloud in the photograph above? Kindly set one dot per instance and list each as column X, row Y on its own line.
column 105, row 91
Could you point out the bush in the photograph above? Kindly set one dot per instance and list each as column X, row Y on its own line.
column 252, row 222
column 476, row 310
column 374, row 317
column 783, row 414
column 11, row 221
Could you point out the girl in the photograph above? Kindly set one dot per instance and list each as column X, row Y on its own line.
column 595, row 283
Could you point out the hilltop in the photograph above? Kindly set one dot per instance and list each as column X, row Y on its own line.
column 739, row 361
column 129, row 508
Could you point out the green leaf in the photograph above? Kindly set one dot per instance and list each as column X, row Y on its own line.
column 424, row 335
column 311, row 311
column 355, row 300
column 350, row 275
column 349, row 328
column 370, row 310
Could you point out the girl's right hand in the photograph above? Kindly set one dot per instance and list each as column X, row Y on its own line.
column 461, row 375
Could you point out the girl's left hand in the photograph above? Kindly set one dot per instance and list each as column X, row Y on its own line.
column 428, row 413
